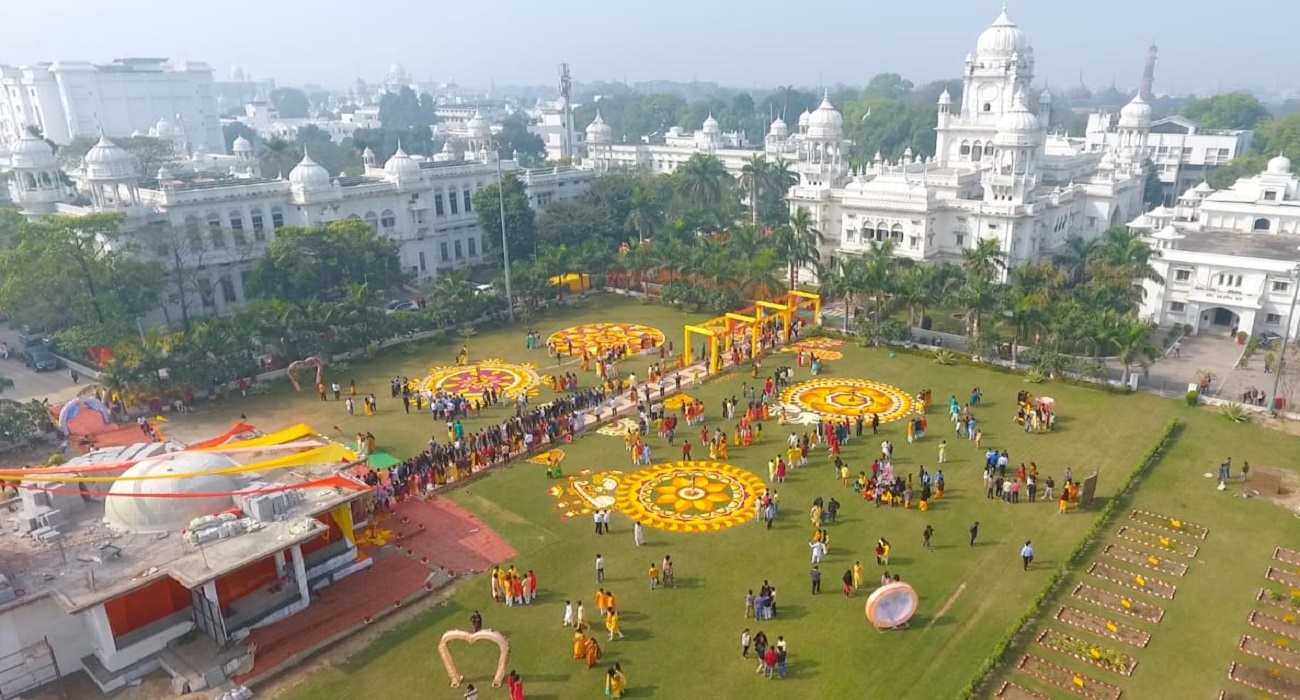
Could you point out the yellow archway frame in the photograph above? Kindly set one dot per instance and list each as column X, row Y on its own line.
column 751, row 323
column 813, row 300
column 711, row 338
column 783, row 311
column 470, row 637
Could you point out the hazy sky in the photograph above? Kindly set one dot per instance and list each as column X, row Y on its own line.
column 1204, row 44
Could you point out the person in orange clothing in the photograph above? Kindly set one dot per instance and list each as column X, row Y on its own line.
column 611, row 624
column 601, row 601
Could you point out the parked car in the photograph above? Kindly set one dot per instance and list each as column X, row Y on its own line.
column 39, row 358
column 1268, row 338
column 395, row 306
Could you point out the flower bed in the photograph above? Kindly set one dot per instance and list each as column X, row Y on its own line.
column 1287, row 556
column 1166, row 523
column 1146, row 561
column 1100, row 626
column 1087, row 652
column 1137, row 582
column 1287, row 600
column 1139, row 609
column 1270, row 680
column 1062, row 677
column 1276, row 625
column 1156, row 541
column 1276, row 653
column 1011, row 691
column 1286, row 578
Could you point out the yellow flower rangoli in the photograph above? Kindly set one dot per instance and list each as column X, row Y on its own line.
column 689, row 496
column 594, row 337
column 847, row 398
column 474, row 380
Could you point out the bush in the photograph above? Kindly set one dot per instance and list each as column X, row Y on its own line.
column 1033, row 376
column 1234, row 412
column 944, row 357
column 1192, row 398
column 1187, row 329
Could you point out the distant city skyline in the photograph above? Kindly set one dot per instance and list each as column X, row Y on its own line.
column 512, row 42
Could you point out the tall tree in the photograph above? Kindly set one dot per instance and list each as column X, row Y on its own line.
column 515, row 140
column 755, row 176
column 798, row 244
column 290, row 103
column 403, row 110
column 520, row 222
column 646, row 215
column 303, row 264
column 1235, row 110
column 703, row 181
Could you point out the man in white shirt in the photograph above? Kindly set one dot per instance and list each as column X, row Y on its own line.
column 1027, row 554
column 818, row 549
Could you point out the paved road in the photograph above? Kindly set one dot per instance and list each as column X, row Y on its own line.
column 28, row 384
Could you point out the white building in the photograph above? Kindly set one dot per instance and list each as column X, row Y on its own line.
column 215, row 225
column 666, row 153
column 549, row 122
column 997, row 173
column 1182, row 152
column 1229, row 258
column 70, row 99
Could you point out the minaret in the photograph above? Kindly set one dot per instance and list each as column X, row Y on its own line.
column 1148, row 74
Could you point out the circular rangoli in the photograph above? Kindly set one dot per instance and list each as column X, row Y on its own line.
column 689, row 496
column 593, row 337
column 475, row 379
column 848, row 398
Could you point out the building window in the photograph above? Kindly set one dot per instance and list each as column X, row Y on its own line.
column 460, row 254
column 465, row 197
column 193, row 232
column 965, row 148
column 988, row 107
column 205, row 292
column 372, row 220
column 1281, row 287
column 896, row 233
column 422, row 267
column 451, row 199
column 913, row 242
column 1182, row 275
column 961, row 240
column 988, row 149
column 1226, row 280
column 214, row 230
column 259, row 232
column 1260, row 225
column 237, row 227
column 473, row 247
column 227, row 289
column 277, row 218
column 1272, row 319
column 1270, row 196
column 442, row 251
column 437, row 204
column 1177, row 307
column 388, row 220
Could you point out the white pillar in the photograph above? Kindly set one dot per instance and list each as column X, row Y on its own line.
column 300, row 573
column 210, row 592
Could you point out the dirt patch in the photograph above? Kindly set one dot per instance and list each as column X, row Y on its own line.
column 1288, row 494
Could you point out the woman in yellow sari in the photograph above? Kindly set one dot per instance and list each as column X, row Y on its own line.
column 591, row 652
column 722, row 447
column 579, row 644
column 615, row 683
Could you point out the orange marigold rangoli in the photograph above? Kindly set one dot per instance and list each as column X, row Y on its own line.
column 473, row 380
column 690, row 496
column 595, row 337
column 847, row 398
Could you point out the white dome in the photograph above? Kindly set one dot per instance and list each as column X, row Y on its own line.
column 164, row 129
column 1003, row 39
column 308, row 174
column 368, row 153
column 826, row 122
column 779, row 129
column 1108, row 161
column 945, row 98
column 401, row 166
column 152, row 514
column 598, row 131
column 711, row 125
column 804, row 119
column 477, row 127
column 1018, row 121
column 108, row 161
column 30, row 151
column 1135, row 114
column 1203, row 188
column 242, row 145
column 1280, row 165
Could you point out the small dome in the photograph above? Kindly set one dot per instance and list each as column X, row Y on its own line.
column 804, row 119
column 826, row 122
column 779, row 129
column 598, row 131
column 153, row 514
column 308, row 174
column 1003, row 39
column 242, row 145
column 1135, row 114
column 401, row 166
column 164, row 129
column 945, row 98
column 1203, row 188
column 30, row 151
column 108, row 161
column 711, row 125
column 477, row 127
column 1018, row 121
column 1281, row 165
column 1108, row 161
column 368, row 153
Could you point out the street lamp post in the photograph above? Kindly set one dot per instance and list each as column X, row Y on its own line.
column 505, row 244
column 1286, row 335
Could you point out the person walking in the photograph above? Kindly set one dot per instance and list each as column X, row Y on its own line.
column 974, row 532
column 816, row 577
column 818, row 549
column 600, row 568
column 926, row 534
column 638, row 535
column 1027, row 554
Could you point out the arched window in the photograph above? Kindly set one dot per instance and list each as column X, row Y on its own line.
column 882, row 232
column 29, row 181
column 988, row 148
column 237, row 227
column 988, row 107
column 372, row 219
column 214, row 230
column 976, row 150
column 1261, row 225
column 277, row 217
column 868, row 232
column 44, row 180
column 193, row 232
column 259, row 226
column 896, row 233
column 965, row 148
column 388, row 220
column 354, row 217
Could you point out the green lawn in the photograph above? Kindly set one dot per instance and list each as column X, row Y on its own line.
column 685, row 642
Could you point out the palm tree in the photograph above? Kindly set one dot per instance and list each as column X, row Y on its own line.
column 743, row 241
column 847, row 280
column 645, row 216
column 881, row 275
column 1028, row 297
column 754, row 176
column 799, row 243
column 976, row 297
column 1133, row 345
column 917, row 289
column 756, row 275
column 985, row 260
column 703, row 181
column 1073, row 258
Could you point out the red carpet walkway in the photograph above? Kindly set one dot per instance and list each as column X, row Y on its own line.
column 451, row 538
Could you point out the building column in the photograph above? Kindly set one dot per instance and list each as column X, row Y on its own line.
column 300, row 573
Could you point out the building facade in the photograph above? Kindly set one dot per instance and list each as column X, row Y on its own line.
column 1181, row 151
column 71, row 99
column 1229, row 259
column 997, row 173
column 666, row 153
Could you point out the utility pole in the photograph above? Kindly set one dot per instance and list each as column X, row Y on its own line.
column 505, row 243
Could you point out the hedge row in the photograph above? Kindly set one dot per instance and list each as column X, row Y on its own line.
column 1077, row 556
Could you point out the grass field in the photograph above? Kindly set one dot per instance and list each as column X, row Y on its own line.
column 684, row 642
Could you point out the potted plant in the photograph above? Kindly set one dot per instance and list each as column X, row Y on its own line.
column 1241, row 337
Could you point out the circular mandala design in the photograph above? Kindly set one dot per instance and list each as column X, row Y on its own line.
column 690, row 496
column 592, row 337
column 848, row 398
column 474, row 380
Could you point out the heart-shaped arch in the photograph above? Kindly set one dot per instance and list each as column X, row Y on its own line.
column 471, row 637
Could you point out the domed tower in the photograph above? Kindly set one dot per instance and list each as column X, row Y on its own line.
column 368, row 157
column 945, row 107
column 600, row 143
column 1134, row 124
column 1018, row 139
column 309, row 180
column 110, row 174
column 709, row 137
column 36, row 185
column 401, row 169
column 242, row 148
column 823, row 145
column 777, row 136
column 478, row 133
